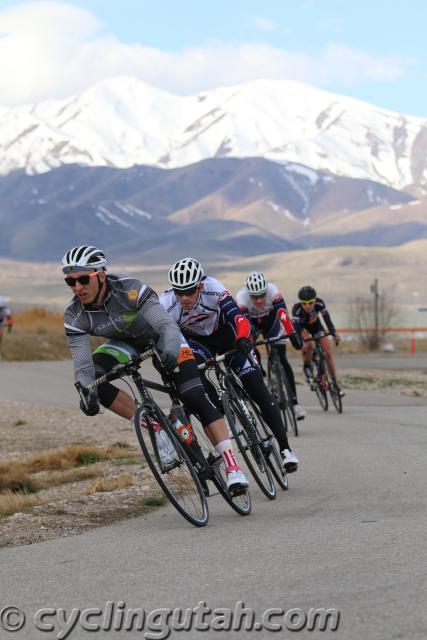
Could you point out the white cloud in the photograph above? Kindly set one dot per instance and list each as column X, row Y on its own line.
column 265, row 24
column 54, row 50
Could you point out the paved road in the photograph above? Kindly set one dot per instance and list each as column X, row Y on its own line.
column 52, row 382
column 415, row 362
column 349, row 535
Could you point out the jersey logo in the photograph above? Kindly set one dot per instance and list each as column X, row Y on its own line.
column 185, row 354
column 133, row 294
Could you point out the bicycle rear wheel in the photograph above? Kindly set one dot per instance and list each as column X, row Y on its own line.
column 241, row 503
column 321, row 392
column 281, row 391
column 242, row 421
column 178, row 480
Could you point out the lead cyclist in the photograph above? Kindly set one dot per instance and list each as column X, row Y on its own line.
column 127, row 312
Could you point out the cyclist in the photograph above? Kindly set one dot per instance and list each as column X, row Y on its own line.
column 6, row 319
column 263, row 303
column 128, row 313
column 307, row 317
column 212, row 323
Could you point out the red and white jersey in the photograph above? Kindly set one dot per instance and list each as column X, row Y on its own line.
column 213, row 307
column 261, row 307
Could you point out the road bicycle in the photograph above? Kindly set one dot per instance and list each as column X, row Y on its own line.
column 322, row 382
column 253, row 437
column 184, row 480
column 278, row 382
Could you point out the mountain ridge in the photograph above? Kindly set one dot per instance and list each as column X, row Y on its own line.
column 123, row 122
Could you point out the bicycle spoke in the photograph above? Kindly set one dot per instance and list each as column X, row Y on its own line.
column 241, row 503
column 281, row 392
column 243, row 423
column 335, row 397
column 177, row 478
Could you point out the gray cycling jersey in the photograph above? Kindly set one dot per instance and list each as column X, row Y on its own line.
column 131, row 312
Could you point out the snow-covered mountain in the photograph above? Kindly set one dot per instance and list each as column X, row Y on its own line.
column 122, row 122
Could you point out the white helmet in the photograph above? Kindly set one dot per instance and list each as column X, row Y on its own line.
column 185, row 274
column 256, row 283
column 84, row 258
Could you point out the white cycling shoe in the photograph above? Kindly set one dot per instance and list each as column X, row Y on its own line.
column 299, row 412
column 289, row 461
column 236, row 481
column 167, row 451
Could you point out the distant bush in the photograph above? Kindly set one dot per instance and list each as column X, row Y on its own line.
column 38, row 334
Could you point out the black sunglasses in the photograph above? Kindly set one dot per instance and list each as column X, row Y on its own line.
column 80, row 279
column 185, row 292
column 257, row 296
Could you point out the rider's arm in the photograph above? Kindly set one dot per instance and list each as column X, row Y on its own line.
column 297, row 319
column 325, row 315
column 281, row 312
column 163, row 324
column 234, row 316
column 81, row 353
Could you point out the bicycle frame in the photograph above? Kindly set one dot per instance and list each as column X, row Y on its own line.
column 206, row 469
column 255, row 441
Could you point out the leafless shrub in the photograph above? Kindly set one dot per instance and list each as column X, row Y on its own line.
column 374, row 318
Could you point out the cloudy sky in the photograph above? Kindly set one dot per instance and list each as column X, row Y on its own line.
column 374, row 50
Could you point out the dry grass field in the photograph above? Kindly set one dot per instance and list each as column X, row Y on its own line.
column 38, row 334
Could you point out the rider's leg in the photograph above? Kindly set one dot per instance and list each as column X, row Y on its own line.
column 326, row 345
column 253, row 383
column 272, row 328
column 192, row 392
column 123, row 405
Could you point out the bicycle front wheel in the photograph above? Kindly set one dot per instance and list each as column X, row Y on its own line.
column 272, row 451
column 241, row 503
column 335, row 397
column 176, row 476
column 321, row 392
column 242, row 421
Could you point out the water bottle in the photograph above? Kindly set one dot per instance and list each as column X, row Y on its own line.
column 181, row 424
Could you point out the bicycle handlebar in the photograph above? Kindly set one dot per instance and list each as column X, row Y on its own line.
column 318, row 336
column 220, row 358
column 276, row 340
column 120, row 369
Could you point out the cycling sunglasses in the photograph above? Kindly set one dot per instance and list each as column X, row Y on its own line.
column 258, row 296
column 307, row 302
column 185, row 292
column 80, row 279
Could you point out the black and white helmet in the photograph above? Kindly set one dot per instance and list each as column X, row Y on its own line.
column 185, row 274
column 256, row 283
column 83, row 258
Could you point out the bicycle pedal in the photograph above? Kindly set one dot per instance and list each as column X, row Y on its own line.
column 238, row 490
column 170, row 466
column 205, row 487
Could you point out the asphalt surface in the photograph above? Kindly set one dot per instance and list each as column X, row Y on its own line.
column 52, row 382
column 349, row 535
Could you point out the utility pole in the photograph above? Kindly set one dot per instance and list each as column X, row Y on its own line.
column 374, row 290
